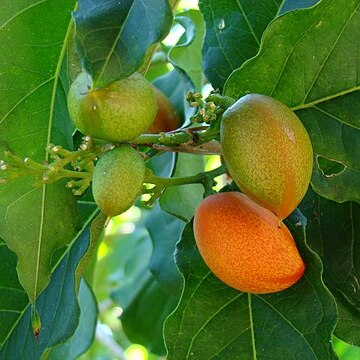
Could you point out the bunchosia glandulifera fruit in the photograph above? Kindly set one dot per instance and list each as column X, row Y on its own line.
column 244, row 246
column 267, row 152
column 119, row 111
column 167, row 118
column 118, row 178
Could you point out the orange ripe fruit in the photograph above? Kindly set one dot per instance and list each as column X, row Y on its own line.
column 244, row 246
column 167, row 118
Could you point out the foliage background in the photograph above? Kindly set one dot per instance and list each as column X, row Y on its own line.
column 135, row 276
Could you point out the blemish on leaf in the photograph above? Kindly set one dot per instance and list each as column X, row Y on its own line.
column 221, row 25
column 330, row 167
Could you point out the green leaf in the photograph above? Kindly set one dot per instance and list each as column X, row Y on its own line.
column 172, row 86
column 346, row 351
column 13, row 298
column 186, row 55
column 214, row 321
column 87, row 264
column 181, row 201
column 176, row 85
column 165, row 231
column 334, row 233
column 144, row 301
column 296, row 4
column 313, row 70
column 233, row 33
column 57, row 306
column 108, row 36
column 143, row 319
column 34, row 220
column 85, row 332
column 162, row 164
column 348, row 326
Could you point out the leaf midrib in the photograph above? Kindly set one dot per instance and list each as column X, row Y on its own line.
column 47, row 156
column 326, row 98
column 209, row 319
column 112, row 50
column 329, row 54
column 289, row 323
column 68, row 249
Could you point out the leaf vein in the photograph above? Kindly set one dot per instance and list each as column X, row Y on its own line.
column 209, row 319
column 289, row 323
column 328, row 55
column 21, row 12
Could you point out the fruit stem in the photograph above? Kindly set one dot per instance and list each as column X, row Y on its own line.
column 181, row 140
column 201, row 178
column 220, row 100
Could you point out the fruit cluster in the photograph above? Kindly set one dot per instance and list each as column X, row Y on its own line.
column 266, row 150
column 119, row 112
column 241, row 237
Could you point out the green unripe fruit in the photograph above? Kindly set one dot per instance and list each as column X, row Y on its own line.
column 118, row 178
column 118, row 112
column 267, row 151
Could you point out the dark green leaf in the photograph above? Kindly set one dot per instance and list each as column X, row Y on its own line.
column 348, row 326
column 233, row 33
column 297, row 4
column 143, row 319
column 162, row 164
column 146, row 305
column 87, row 264
column 181, row 201
column 84, row 334
column 329, row 167
column 165, row 231
column 57, row 306
column 173, row 87
column 186, row 55
column 109, row 37
column 34, row 221
column 334, row 232
column 214, row 321
column 13, row 298
column 334, row 128
column 313, row 70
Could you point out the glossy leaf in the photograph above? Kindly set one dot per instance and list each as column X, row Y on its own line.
column 348, row 326
column 162, row 164
column 297, row 4
column 186, row 55
column 57, row 306
column 13, row 298
column 214, row 321
column 165, row 231
column 172, row 86
column 233, row 34
column 334, row 233
column 181, row 201
column 85, row 332
column 33, row 113
column 176, row 85
column 108, row 36
column 145, row 302
column 299, row 69
column 143, row 319
column 87, row 264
